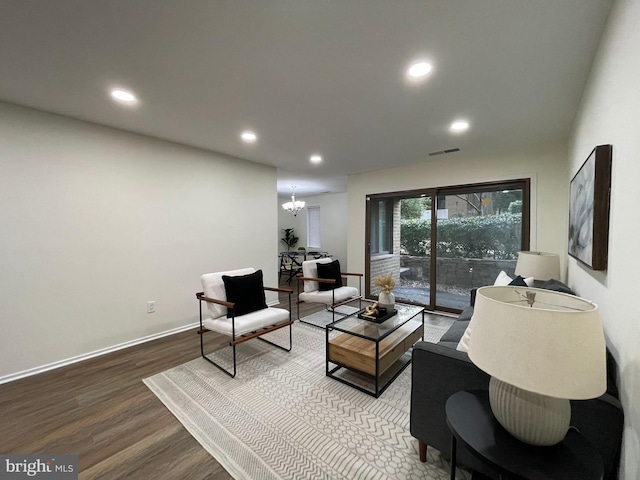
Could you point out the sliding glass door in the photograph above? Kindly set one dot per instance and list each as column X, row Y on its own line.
column 440, row 243
column 479, row 232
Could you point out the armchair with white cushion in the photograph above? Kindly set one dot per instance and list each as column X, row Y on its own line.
column 322, row 283
column 238, row 309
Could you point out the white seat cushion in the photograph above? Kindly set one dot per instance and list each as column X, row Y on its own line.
column 326, row 297
column 310, row 269
column 249, row 322
column 213, row 287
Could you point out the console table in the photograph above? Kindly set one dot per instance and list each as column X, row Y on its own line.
column 471, row 422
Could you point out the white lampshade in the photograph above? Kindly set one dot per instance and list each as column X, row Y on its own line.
column 541, row 349
column 539, row 265
column 556, row 347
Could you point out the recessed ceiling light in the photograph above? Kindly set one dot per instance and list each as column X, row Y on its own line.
column 419, row 69
column 249, row 137
column 315, row 159
column 459, row 126
column 123, row 96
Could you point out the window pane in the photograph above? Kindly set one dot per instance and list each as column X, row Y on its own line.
column 415, row 245
column 313, row 227
column 381, row 226
column 478, row 235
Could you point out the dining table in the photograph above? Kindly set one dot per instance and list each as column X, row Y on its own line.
column 291, row 261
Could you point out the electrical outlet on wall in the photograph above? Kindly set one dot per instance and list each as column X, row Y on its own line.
column 151, row 306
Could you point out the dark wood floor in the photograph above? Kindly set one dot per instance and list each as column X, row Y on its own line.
column 101, row 410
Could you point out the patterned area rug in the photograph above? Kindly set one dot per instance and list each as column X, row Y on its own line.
column 282, row 418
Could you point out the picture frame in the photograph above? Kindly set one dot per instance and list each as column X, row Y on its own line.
column 589, row 200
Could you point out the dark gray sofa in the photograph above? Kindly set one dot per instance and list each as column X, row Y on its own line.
column 439, row 370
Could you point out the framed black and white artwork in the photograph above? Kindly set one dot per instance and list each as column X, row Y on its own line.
column 589, row 197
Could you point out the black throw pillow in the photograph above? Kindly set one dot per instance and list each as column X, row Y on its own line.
column 518, row 282
column 330, row 271
column 246, row 291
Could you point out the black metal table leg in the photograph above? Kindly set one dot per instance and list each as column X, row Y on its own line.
column 453, row 457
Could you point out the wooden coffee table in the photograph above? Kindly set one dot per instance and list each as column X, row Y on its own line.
column 377, row 352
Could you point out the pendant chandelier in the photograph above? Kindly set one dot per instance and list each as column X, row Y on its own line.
column 294, row 206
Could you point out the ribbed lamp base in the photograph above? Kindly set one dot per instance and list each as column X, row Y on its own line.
column 530, row 417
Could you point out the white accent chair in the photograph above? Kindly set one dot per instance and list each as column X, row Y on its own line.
column 333, row 298
column 222, row 316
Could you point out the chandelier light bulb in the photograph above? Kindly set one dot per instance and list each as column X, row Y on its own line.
column 294, row 206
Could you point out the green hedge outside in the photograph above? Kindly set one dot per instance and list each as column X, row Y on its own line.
column 490, row 236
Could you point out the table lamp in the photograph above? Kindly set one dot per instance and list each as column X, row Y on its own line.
column 542, row 266
column 541, row 349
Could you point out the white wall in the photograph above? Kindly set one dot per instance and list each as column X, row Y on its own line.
column 610, row 114
column 96, row 222
column 545, row 165
column 333, row 224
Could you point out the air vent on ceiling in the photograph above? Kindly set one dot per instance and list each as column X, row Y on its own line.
column 441, row 152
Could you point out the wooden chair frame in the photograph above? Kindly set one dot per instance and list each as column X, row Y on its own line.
column 235, row 340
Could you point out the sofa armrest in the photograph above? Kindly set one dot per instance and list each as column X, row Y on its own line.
column 433, row 362
column 437, row 372
column 601, row 421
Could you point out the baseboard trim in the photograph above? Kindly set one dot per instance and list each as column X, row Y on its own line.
column 79, row 358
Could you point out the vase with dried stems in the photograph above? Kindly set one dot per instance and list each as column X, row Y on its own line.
column 386, row 298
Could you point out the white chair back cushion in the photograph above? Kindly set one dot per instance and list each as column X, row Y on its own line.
column 310, row 269
column 213, row 287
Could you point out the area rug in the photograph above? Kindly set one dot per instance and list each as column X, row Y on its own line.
column 282, row 418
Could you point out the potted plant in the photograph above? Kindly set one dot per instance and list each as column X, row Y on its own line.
column 289, row 239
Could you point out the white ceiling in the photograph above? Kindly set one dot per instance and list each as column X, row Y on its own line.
column 308, row 76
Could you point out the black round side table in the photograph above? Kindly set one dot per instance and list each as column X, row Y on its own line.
column 472, row 423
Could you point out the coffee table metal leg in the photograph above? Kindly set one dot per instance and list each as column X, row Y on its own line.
column 377, row 368
column 453, row 457
column 326, row 351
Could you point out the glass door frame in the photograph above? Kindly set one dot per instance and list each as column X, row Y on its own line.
column 434, row 193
